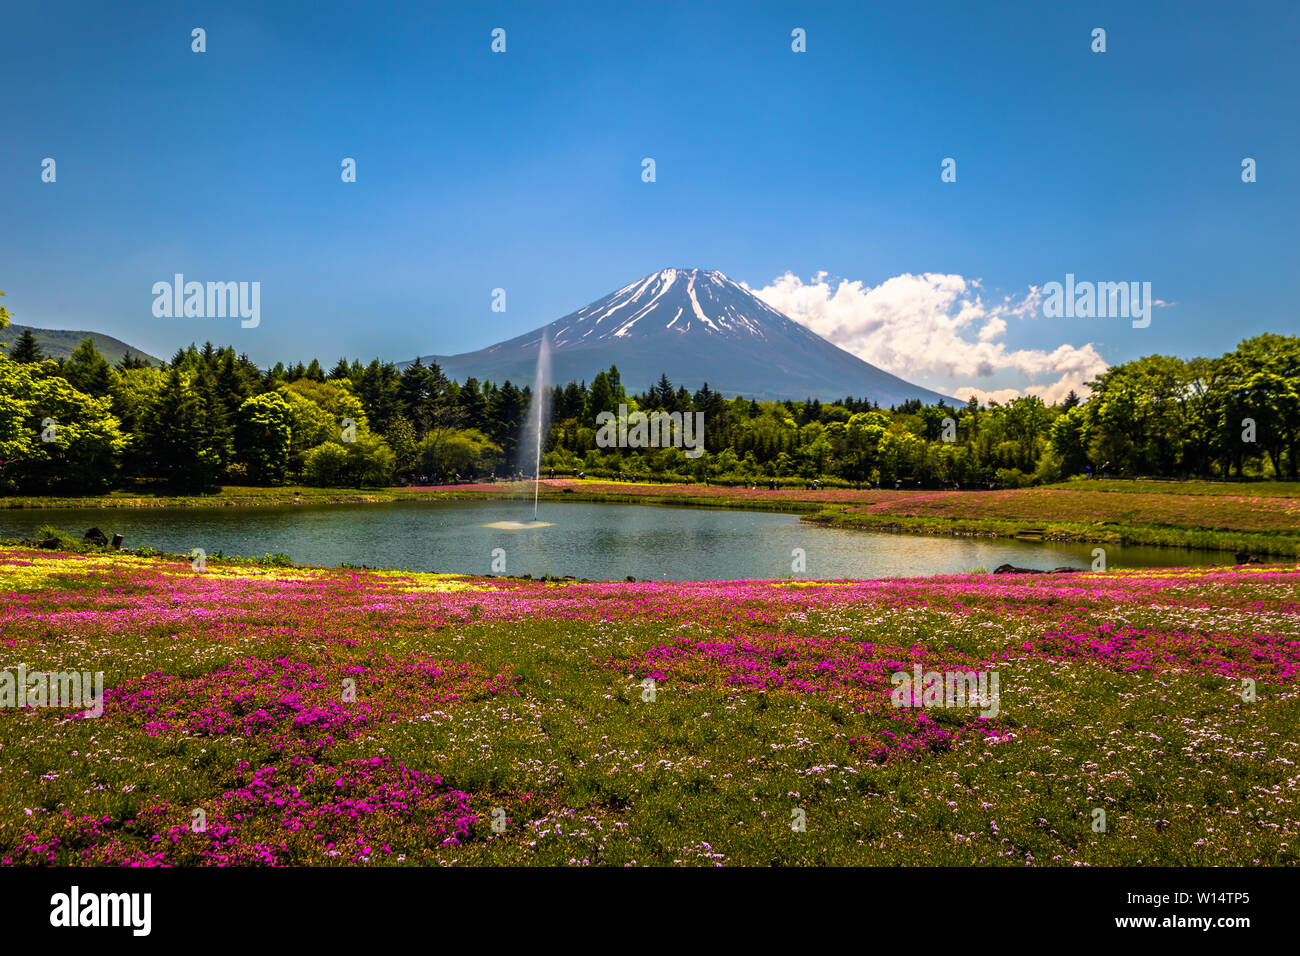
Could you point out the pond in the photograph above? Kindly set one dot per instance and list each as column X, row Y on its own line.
column 609, row 541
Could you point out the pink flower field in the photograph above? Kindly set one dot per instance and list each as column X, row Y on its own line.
column 260, row 716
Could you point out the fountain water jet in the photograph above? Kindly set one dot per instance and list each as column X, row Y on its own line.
column 539, row 399
column 536, row 418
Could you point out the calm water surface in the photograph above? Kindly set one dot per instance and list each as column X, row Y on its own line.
column 585, row 540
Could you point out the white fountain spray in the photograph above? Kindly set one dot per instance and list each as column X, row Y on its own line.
column 539, row 399
column 535, row 418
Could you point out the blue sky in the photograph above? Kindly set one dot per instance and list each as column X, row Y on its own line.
column 523, row 170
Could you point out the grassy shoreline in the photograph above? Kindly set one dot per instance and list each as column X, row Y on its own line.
column 1156, row 536
column 1200, row 515
column 236, row 497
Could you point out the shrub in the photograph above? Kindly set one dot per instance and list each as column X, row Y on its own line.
column 1013, row 478
column 48, row 536
column 325, row 465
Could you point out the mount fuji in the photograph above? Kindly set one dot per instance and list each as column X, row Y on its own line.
column 696, row 326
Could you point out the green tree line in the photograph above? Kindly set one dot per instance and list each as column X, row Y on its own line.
column 210, row 417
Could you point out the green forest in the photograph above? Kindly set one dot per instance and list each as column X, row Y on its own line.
column 210, row 417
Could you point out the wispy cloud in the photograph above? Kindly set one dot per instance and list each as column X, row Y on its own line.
column 936, row 326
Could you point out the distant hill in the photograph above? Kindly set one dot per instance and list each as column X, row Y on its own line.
column 60, row 343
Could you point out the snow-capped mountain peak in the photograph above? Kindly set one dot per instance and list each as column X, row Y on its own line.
column 696, row 326
column 679, row 302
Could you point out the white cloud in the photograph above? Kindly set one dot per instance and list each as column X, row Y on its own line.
column 938, row 327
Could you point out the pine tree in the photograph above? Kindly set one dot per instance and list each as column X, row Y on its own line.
column 232, row 388
column 601, row 398
column 130, row 360
column 505, row 416
column 472, row 404
column 413, row 395
column 379, row 393
column 218, row 430
column 176, row 435
column 664, row 391
column 26, row 348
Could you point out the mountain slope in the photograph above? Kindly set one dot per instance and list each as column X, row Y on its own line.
column 60, row 343
column 696, row 326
